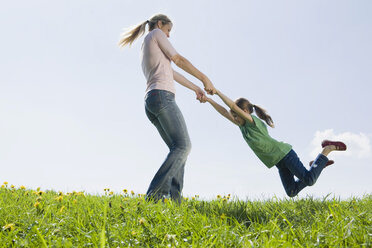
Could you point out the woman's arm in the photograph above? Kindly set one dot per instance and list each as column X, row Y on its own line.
column 232, row 105
column 179, row 78
column 181, row 61
column 221, row 110
column 184, row 64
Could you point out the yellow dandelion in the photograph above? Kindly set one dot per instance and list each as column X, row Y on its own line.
column 111, row 193
column 165, row 200
column 22, row 187
column 224, row 200
column 9, row 227
column 193, row 198
column 3, row 186
column 218, row 196
column 125, row 191
column 141, row 221
column 223, row 216
column 5, row 183
column 36, row 204
column 134, row 233
column 59, row 198
column 60, row 193
column 12, row 186
column 40, row 192
column 62, row 208
column 39, row 198
column 132, row 192
column 74, row 201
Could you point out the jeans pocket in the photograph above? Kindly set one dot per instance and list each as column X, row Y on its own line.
column 156, row 100
column 169, row 97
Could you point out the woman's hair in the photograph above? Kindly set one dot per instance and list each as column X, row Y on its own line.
column 261, row 113
column 129, row 36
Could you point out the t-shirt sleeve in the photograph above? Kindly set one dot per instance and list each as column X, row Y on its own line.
column 164, row 44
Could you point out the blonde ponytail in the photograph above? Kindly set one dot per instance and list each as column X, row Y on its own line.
column 132, row 34
column 128, row 37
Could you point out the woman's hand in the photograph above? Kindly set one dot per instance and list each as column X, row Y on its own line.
column 200, row 95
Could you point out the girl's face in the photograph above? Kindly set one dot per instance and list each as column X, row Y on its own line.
column 165, row 28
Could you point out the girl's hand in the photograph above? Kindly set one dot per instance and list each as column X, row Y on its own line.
column 200, row 95
column 208, row 86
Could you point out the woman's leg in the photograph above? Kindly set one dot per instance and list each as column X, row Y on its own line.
column 164, row 113
column 177, row 184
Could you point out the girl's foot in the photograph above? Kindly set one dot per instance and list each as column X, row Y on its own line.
column 338, row 145
column 328, row 163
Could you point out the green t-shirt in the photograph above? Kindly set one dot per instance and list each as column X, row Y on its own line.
column 267, row 149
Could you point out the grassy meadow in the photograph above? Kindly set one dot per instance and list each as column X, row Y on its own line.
column 34, row 218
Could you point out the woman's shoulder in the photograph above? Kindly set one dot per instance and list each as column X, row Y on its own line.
column 156, row 32
column 155, row 35
column 152, row 35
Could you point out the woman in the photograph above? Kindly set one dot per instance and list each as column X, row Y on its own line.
column 160, row 106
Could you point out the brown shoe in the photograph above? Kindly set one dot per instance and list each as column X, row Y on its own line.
column 340, row 146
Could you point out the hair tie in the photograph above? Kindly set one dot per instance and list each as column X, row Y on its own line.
column 253, row 106
column 147, row 21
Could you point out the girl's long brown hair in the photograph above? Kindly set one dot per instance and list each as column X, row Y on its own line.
column 261, row 113
column 129, row 36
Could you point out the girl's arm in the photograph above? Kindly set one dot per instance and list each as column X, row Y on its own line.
column 179, row 78
column 221, row 110
column 184, row 64
column 232, row 105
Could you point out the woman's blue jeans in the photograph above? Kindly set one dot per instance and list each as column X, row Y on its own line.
column 291, row 166
column 163, row 112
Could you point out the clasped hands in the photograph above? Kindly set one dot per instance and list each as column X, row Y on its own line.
column 200, row 94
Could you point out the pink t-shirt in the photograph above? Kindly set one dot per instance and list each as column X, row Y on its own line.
column 156, row 62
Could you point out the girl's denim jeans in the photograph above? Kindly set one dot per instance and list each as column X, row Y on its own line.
column 291, row 166
column 163, row 112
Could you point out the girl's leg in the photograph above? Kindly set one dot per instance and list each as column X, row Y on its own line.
column 291, row 166
column 292, row 186
column 164, row 113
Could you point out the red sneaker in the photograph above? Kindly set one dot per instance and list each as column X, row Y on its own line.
column 327, row 164
column 340, row 146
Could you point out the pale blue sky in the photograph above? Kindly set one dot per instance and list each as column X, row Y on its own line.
column 71, row 102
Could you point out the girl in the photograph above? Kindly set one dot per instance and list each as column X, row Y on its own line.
column 157, row 53
column 272, row 152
